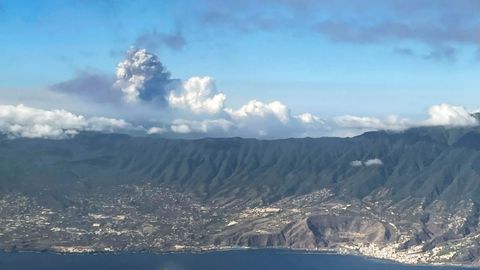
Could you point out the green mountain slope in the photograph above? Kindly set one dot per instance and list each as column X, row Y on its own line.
column 431, row 163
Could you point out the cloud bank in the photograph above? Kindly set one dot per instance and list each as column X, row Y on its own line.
column 193, row 107
column 449, row 115
column 23, row 121
column 257, row 109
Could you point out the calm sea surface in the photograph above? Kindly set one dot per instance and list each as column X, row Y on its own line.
column 222, row 260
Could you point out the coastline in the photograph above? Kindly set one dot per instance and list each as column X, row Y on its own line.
column 200, row 250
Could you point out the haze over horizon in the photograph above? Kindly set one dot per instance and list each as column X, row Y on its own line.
column 274, row 69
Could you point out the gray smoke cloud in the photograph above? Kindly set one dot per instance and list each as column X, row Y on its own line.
column 195, row 107
column 142, row 77
column 89, row 84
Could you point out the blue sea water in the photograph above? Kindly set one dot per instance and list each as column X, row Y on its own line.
column 219, row 260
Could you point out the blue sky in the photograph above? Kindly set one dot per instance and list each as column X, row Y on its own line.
column 327, row 58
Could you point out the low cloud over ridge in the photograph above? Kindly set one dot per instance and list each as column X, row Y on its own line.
column 193, row 107
column 24, row 121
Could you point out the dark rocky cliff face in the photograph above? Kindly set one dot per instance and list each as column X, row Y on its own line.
column 321, row 231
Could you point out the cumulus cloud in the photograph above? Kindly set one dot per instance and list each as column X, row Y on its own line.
column 273, row 120
column 141, row 76
column 258, row 109
column 157, row 130
column 23, row 121
column 439, row 115
column 181, row 128
column 449, row 115
column 199, row 108
column 205, row 126
column 199, row 95
column 372, row 123
column 141, row 79
column 308, row 118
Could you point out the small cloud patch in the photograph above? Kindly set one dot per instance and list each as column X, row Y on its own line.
column 367, row 163
column 356, row 163
column 373, row 162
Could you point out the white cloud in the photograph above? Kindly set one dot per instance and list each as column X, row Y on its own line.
column 273, row 120
column 156, row 130
column 23, row 121
column 356, row 163
column 141, row 76
column 308, row 118
column 105, row 124
column 204, row 126
column 199, row 95
column 181, row 128
column 370, row 162
column 373, row 162
column 449, row 115
column 258, row 109
column 391, row 122
column 142, row 71
column 439, row 115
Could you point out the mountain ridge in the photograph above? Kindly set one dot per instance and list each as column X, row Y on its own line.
column 411, row 196
column 226, row 166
